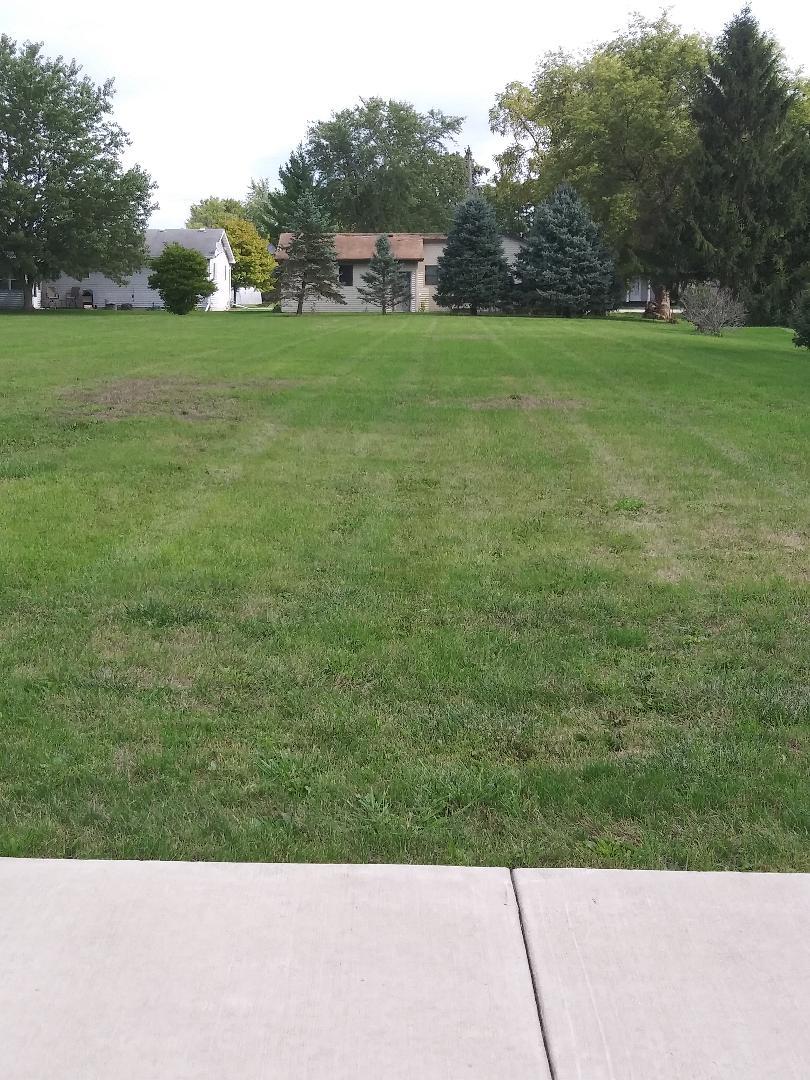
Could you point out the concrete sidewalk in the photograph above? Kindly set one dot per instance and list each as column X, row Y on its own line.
column 174, row 971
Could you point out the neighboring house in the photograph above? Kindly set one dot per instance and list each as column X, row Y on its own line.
column 11, row 295
column 103, row 292
column 418, row 252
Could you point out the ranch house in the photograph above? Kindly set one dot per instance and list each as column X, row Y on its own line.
column 418, row 252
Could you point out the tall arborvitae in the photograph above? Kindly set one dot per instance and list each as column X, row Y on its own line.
column 472, row 271
column 563, row 268
column 743, row 207
column 384, row 284
column 310, row 271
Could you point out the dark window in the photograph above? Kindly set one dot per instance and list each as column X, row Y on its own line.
column 346, row 274
column 431, row 275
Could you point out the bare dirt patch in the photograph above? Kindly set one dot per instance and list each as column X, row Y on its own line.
column 526, row 402
column 183, row 399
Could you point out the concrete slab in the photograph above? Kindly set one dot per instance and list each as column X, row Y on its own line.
column 644, row 974
column 174, row 971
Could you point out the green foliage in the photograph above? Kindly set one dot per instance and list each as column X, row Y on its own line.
column 209, row 213
column 563, row 268
column 384, row 283
column 751, row 167
column 255, row 267
column 472, row 271
column 617, row 124
column 180, row 275
column 271, row 209
column 67, row 205
column 800, row 321
column 309, row 270
column 384, row 166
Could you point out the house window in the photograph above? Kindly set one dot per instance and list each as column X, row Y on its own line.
column 346, row 274
column 213, row 269
column 431, row 275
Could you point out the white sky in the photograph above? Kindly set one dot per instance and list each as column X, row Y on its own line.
column 215, row 93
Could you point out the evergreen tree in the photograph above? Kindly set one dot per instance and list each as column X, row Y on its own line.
column 744, row 206
column 271, row 209
column 472, row 271
column 309, row 264
column 384, row 283
column 562, row 267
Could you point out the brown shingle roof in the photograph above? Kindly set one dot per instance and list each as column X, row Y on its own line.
column 359, row 247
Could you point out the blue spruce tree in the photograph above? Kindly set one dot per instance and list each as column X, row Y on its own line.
column 472, row 271
column 562, row 268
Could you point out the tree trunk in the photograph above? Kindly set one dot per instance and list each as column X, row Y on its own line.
column 660, row 307
column 28, row 294
column 300, row 308
column 384, row 308
column 473, row 309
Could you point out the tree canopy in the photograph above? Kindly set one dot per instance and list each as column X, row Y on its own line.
column 616, row 123
column 381, row 166
column 67, row 204
column 208, row 213
column 271, row 209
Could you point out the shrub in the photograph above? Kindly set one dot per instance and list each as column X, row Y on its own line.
column 180, row 275
column 800, row 321
column 711, row 309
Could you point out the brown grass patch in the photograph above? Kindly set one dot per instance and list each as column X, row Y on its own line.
column 525, row 402
column 183, row 399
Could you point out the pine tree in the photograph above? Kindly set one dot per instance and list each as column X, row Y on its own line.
column 562, row 267
column 309, row 269
column 743, row 206
column 384, row 283
column 472, row 271
column 271, row 209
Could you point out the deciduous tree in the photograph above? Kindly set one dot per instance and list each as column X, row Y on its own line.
column 67, row 204
column 617, row 124
column 180, row 275
column 208, row 213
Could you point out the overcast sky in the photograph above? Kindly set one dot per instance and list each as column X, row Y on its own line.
column 213, row 94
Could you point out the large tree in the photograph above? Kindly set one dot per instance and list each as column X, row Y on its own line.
column 271, row 209
column 208, row 213
column 254, row 267
column 383, row 283
column 617, row 124
column 67, row 204
column 309, row 269
column 383, row 166
column 746, row 203
column 472, row 271
column 563, row 268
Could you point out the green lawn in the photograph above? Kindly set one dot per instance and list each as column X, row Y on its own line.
column 424, row 589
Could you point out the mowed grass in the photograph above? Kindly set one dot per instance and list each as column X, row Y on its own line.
column 432, row 589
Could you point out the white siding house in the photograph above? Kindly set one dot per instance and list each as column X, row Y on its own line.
column 418, row 254
column 102, row 292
